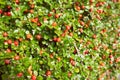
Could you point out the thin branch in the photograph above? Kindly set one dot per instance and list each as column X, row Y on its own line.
column 76, row 48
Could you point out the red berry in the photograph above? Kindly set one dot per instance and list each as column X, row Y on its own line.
column 48, row 73
column 109, row 6
column 17, row 57
column 75, row 51
column 33, row 77
column 110, row 56
column 20, row 74
column 58, row 39
column 82, row 23
column 26, row 11
column 83, row 7
column 72, row 62
column 100, row 3
column 103, row 57
column 95, row 48
column 91, row 1
column 117, row 59
column 7, row 61
column 36, row 19
column 103, row 30
column 77, row 3
column 32, row 6
column 59, row 59
column 8, row 50
column 118, row 34
column 77, row 8
column 31, row 11
column 8, row 7
column 1, row 11
column 114, row 1
column 16, row 43
column 81, row 30
column 33, row 21
column 69, row 74
column 53, row 10
column 5, row 13
column 20, row 39
column 9, row 41
column 8, row 14
column 17, row 9
column 63, row 34
column 38, row 36
column 65, row 31
column 94, row 36
column 55, row 39
column 90, row 9
column 68, row 27
column 54, row 24
column 89, row 67
column 5, row 34
column 51, row 55
column 111, row 62
column 97, row 5
column 86, row 52
column 71, row 34
column 102, row 64
column 17, row 1
column 39, row 24
column 56, row 15
column 80, row 16
column 49, row 15
column 28, row 36
column 99, row 11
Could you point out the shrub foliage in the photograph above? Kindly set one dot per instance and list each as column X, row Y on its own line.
column 59, row 39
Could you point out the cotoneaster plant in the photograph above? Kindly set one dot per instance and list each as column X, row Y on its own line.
column 59, row 39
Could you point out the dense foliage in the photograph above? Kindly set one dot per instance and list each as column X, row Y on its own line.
column 59, row 39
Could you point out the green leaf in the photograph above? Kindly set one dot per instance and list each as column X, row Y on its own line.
column 40, row 78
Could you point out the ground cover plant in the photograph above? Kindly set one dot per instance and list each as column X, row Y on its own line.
column 59, row 39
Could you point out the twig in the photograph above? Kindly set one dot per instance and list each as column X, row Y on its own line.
column 76, row 47
column 78, row 50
